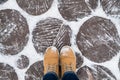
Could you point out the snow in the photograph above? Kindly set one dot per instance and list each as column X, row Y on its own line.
column 54, row 48
column 64, row 50
column 30, row 51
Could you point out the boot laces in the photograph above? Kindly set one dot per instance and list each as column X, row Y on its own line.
column 68, row 67
column 52, row 68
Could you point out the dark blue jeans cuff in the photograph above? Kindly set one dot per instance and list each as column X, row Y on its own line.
column 70, row 75
column 50, row 76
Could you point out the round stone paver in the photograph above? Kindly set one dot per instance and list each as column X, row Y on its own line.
column 22, row 62
column 13, row 32
column 82, row 73
column 49, row 32
column 95, row 73
column 79, row 60
column 63, row 37
column 3, row 1
column 98, row 39
column 93, row 4
column 111, row 6
column 7, row 72
column 73, row 9
column 35, row 7
column 35, row 72
column 119, row 64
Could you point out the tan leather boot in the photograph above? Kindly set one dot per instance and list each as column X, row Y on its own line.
column 51, row 60
column 67, row 60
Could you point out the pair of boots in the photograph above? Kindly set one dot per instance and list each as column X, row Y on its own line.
column 66, row 60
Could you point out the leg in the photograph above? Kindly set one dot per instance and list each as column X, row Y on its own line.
column 51, row 64
column 68, row 63
column 50, row 76
column 70, row 76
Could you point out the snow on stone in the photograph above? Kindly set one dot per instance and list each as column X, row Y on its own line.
column 35, row 58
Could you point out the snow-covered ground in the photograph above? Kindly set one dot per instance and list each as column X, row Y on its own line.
column 53, row 12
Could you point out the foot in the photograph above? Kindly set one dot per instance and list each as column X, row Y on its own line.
column 51, row 60
column 67, row 59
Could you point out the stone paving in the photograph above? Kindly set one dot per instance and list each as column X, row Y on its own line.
column 90, row 27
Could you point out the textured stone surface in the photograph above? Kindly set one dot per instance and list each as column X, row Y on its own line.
column 35, row 72
column 95, row 73
column 7, row 72
column 98, row 39
column 22, row 62
column 3, row 1
column 79, row 60
column 63, row 37
column 111, row 6
column 50, row 32
column 35, row 7
column 82, row 73
column 13, row 32
column 103, row 73
column 45, row 33
column 119, row 64
column 93, row 3
column 73, row 9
